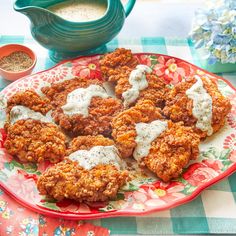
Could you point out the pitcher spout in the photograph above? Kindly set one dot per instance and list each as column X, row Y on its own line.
column 22, row 5
column 34, row 10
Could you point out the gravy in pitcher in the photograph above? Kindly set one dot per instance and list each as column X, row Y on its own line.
column 79, row 10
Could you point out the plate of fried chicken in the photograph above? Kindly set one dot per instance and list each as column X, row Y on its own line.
column 118, row 134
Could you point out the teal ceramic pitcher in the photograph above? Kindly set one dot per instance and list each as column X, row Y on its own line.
column 68, row 39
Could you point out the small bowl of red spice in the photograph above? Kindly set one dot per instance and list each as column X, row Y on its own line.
column 16, row 61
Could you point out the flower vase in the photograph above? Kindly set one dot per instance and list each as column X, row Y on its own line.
column 217, row 67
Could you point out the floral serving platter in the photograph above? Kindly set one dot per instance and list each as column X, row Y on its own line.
column 144, row 195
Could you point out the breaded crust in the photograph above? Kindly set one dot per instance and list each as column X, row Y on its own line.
column 69, row 180
column 57, row 93
column 87, row 142
column 172, row 151
column 179, row 106
column 123, row 125
column 119, row 60
column 35, row 141
column 117, row 66
column 30, row 99
column 169, row 153
column 101, row 110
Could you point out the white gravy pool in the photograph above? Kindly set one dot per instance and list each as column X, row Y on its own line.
column 146, row 133
column 202, row 106
column 79, row 10
column 98, row 155
column 138, row 81
column 79, row 100
column 22, row 113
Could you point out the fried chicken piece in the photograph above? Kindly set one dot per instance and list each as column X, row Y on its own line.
column 101, row 110
column 119, row 60
column 169, row 153
column 57, row 93
column 172, row 151
column 30, row 99
column 123, row 125
column 35, row 141
column 156, row 90
column 69, row 180
column 87, row 142
column 117, row 66
column 179, row 106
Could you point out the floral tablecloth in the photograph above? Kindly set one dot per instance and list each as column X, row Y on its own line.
column 214, row 211
column 17, row 220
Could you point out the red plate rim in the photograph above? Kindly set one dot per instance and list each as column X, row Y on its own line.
column 118, row 213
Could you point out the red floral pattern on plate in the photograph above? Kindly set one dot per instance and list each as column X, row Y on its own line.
column 4, row 157
column 58, row 73
column 19, row 179
column 87, row 68
column 200, row 173
column 3, row 137
column 172, row 70
column 232, row 115
column 230, row 143
column 24, row 187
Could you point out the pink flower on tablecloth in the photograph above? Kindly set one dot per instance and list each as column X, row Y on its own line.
column 23, row 187
column 200, row 173
column 172, row 70
column 231, row 118
column 87, row 67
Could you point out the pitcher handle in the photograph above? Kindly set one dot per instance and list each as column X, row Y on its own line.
column 129, row 6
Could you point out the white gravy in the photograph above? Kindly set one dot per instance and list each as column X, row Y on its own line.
column 146, row 134
column 79, row 100
column 138, row 81
column 202, row 106
column 22, row 113
column 98, row 155
column 79, row 11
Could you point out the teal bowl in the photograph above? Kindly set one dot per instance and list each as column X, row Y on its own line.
column 66, row 39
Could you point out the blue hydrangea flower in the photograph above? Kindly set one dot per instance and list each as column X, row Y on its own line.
column 214, row 29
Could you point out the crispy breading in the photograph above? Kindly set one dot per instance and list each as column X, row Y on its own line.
column 87, row 142
column 30, row 99
column 57, row 92
column 155, row 91
column 179, row 106
column 169, row 153
column 172, row 151
column 69, row 180
column 35, row 141
column 119, row 60
column 117, row 66
column 101, row 110
column 123, row 125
